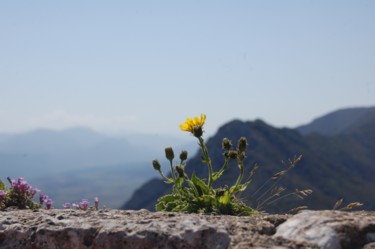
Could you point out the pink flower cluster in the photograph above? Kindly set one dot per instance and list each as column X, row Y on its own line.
column 83, row 204
column 22, row 187
column 21, row 195
column 44, row 199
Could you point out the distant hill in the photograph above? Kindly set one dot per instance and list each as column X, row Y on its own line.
column 339, row 121
column 61, row 150
column 337, row 162
column 49, row 151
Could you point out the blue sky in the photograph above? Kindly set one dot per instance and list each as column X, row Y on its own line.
column 145, row 66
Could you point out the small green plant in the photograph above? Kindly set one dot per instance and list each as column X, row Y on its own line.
column 196, row 195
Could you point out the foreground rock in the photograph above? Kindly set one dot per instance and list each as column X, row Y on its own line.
column 330, row 229
column 143, row 229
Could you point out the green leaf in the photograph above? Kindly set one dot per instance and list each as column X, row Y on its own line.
column 170, row 180
column 179, row 182
column 167, row 202
column 208, row 200
column 217, row 175
column 242, row 187
column 225, row 199
column 167, row 198
column 193, row 188
column 233, row 189
column 160, row 206
column 200, row 185
column 2, row 185
column 170, row 206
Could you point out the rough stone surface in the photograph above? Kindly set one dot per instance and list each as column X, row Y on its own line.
column 114, row 229
column 330, row 229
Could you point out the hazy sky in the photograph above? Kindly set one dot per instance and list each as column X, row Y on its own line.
column 147, row 65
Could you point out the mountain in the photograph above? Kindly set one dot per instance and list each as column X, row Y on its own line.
column 78, row 163
column 61, row 150
column 339, row 121
column 335, row 163
column 49, row 151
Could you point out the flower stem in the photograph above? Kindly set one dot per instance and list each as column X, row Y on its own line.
column 207, row 160
column 172, row 170
column 239, row 179
column 164, row 177
column 218, row 174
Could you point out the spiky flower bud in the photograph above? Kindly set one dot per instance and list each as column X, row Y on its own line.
column 232, row 154
column 180, row 171
column 227, row 144
column 183, row 155
column 156, row 165
column 242, row 144
column 169, row 154
column 198, row 131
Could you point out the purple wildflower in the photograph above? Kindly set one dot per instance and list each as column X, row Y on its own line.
column 42, row 198
column 48, row 203
column 67, row 205
column 84, row 204
column 32, row 191
column 19, row 185
column 22, row 187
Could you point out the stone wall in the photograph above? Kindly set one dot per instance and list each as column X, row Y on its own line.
column 112, row 229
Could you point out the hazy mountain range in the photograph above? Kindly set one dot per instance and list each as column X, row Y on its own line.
column 338, row 160
column 80, row 163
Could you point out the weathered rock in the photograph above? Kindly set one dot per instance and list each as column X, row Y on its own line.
column 143, row 229
column 330, row 229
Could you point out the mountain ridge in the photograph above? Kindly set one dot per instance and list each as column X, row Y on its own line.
column 338, row 121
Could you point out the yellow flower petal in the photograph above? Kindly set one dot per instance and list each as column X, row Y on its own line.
column 190, row 123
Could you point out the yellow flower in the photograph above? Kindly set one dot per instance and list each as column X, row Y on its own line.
column 190, row 123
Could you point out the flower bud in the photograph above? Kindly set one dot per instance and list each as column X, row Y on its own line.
column 242, row 144
column 169, row 154
column 183, row 155
column 232, row 154
column 227, row 144
column 180, row 171
column 197, row 131
column 156, row 165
